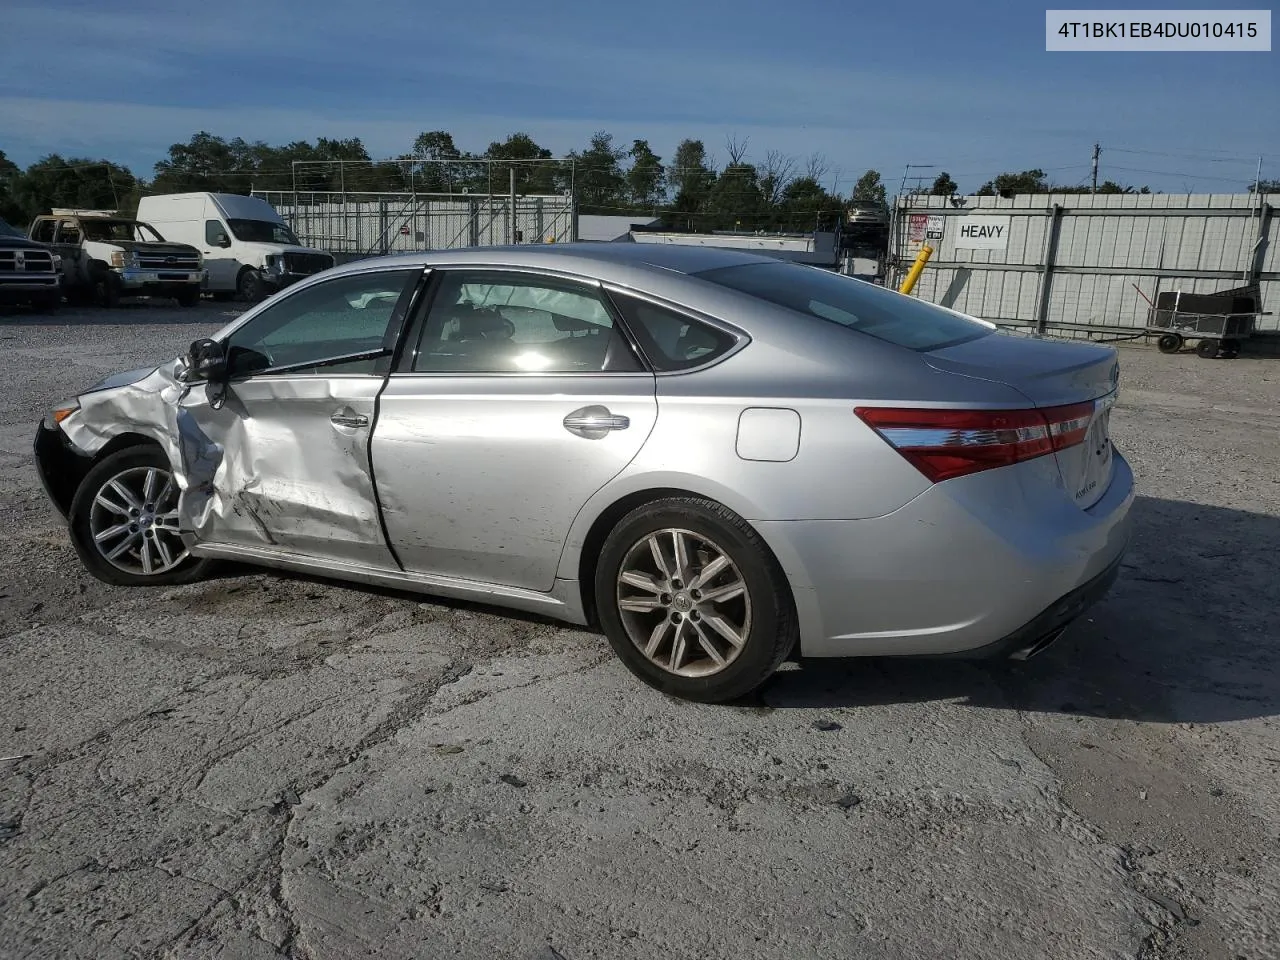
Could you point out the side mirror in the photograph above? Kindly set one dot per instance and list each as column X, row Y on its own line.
column 223, row 240
column 206, row 360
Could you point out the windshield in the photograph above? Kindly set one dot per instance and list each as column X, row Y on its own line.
column 851, row 303
column 8, row 231
column 116, row 231
column 263, row 231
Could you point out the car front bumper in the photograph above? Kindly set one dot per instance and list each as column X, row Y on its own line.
column 61, row 466
column 148, row 281
column 986, row 565
column 29, row 288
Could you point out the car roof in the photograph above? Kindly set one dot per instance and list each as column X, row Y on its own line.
column 576, row 257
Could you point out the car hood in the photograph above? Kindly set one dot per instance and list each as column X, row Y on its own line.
column 20, row 243
column 124, row 378
column 278, row 248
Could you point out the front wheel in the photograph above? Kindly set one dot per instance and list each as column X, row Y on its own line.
column 692, row 600
column 1208, row 348
column 124, row 522
column 249, row 285
column 1169, row 343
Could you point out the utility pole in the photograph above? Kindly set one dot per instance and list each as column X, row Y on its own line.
column 1096, row 151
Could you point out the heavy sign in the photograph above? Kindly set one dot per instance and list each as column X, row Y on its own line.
column 982, row 233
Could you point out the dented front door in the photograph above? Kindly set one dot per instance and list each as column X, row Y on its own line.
column 279, row 459
column 292, row 471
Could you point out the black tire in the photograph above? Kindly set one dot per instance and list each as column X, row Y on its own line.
column 770, row 635
column 84, row 508
column 1208, row 348
column 1169, row 343
column 249, row 285
column 188, row 298
column 108, row 290
column 47, row 305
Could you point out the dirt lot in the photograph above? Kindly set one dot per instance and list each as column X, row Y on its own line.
column 261, row 765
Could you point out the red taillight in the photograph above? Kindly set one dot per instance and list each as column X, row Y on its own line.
column 943, row 444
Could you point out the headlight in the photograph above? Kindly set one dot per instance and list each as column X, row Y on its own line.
column 57, row 262
column 123, row 258
column 62, row 411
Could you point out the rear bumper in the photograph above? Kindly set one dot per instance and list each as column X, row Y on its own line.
column 986, row 565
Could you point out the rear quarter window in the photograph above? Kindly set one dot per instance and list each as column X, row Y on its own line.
column 671, row 340
column 855, row 304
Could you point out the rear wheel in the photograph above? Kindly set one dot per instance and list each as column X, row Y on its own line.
column 693, row 602
column 1169, row 343
column 1208, row 348
column 124, row 522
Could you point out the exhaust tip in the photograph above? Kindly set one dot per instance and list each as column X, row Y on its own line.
column 1027, row 652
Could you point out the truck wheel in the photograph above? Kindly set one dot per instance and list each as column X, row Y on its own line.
column 188, row 298
column 1169, row 343
column 249, row 285
column 47, row 305
column 107, row 291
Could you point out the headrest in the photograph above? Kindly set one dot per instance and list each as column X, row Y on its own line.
column 482, row 325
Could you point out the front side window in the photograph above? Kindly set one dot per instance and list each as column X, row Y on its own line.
column 213, row 233
column 855, row 304
column 344, row 325
column 68, row 232
column 43, row 231
column 263, row 231
column 513, row 323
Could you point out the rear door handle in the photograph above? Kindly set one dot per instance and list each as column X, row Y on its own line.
column 341, row 419
column 595, row 422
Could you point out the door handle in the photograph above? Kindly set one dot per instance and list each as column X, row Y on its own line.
column 595, row 422
column 341, row 419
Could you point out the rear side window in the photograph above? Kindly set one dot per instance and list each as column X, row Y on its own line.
column 671, row 340
column 851, row 303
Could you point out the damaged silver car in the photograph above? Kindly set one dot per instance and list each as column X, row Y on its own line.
column 717, row 457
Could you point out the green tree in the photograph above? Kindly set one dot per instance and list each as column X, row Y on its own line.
column 692, row 178
column 206, row 162
column 735, row 200
column 943, row 185
column 72, row 182
column 534, row 173
column 869, row 188
column 646, row 177
column 806, row 205
column 598, row 177
column 1008, row 184
column 442, row 169
column 10, row 211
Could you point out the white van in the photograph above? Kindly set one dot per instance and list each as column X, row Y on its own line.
column 248, row 248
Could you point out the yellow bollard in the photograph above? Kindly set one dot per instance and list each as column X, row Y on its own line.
column 917, row 268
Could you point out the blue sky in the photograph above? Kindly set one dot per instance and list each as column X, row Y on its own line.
column 967, row 88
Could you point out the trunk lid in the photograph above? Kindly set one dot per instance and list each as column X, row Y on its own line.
column 1051, row 373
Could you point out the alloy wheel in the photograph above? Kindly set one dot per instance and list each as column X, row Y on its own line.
column 134, row 521
column 684, row 603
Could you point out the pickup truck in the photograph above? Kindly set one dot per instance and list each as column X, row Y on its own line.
column 106, row 257
column 29, row 271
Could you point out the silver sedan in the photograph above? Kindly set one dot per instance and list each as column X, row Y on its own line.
column 720, row 459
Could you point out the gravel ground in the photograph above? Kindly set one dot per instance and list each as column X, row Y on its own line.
column 264, row 766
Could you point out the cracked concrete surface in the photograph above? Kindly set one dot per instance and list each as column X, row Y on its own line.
column 261, row 766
